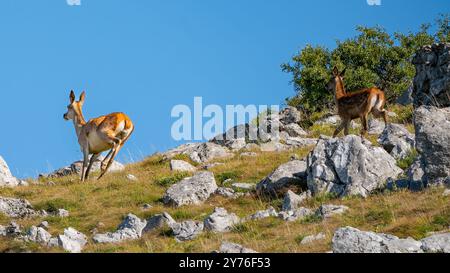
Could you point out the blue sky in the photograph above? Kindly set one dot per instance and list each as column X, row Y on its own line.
column 143, row 57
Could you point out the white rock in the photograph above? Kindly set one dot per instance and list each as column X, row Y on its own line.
column 326, row 211
column 221, row 221
column 311, row 238
column 132, row 177
column 181, row 166
column 131, row 228
column 292, row 201
column 192, row 190
column 72, row 240
column 292, row 172
column 228, row 247
column 187, row 230
column 6, row 178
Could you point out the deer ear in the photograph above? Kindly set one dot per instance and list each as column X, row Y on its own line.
column 82, row 97
column 335, row 71
column 72, row 96
column 343, row 72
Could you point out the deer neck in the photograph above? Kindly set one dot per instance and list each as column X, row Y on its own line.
column 78, row 123
column 339, row 89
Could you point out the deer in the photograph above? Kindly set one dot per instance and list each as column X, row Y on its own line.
column 109, row 132
column 358, row 104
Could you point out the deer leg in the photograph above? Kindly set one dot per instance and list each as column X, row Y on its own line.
column 347, row 127
column 85, row 162
column 339, row 128
column 364, row 125
column 93, row 158
column 116, row 150
column 105, row 160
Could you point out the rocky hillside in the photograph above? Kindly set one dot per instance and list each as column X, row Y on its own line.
column 298, row 190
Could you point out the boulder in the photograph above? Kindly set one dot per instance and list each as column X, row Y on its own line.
column 159, row 221
column 352, row 240
column 432, row 142
column 270, row 212
column 221, row 221
column 72, row 240
column 187, row 230
column 236, row 138
column 38, row 235
column 416, row 175
column 375, row 126
column 290, row 115
column 432, row 80
column 16, row 208
column 130, row 229
column 228, row 247
column 292, row 201
column 6, row 178
column 295, row 214
column 181, row 166
column 397, row 141
column 192, row 190
column 12, row 230
column 200, row 152
column 75, row 168
column 294, row 130
column 349, row 166
column 292, row 172
column 437, row 243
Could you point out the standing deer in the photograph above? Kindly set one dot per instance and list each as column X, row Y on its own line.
column 98, row 134
column 357, row 104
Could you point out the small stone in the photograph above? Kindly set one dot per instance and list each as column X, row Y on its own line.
column 312, row 238
column 44, row 225
column 181, row 166
column 147, row 206
column 132, row 177
column 62, row 213
column 243, row 186
column 228, row 247
column 326, row 211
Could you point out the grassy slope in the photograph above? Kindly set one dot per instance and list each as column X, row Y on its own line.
column 400, row 213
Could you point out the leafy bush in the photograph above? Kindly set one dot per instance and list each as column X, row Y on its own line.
column 372, row 58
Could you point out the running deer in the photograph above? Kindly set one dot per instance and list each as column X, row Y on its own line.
column 100, row 134
column 357, row 104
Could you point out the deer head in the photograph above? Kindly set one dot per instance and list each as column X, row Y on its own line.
column 336, row 83
column 74, row 109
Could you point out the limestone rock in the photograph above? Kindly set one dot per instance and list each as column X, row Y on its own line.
column 349, row 166
column 292, row 172
column 192, row 190
column 221, row 221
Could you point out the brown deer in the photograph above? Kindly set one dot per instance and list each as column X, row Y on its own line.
column 356, row 104
column 98, row 134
